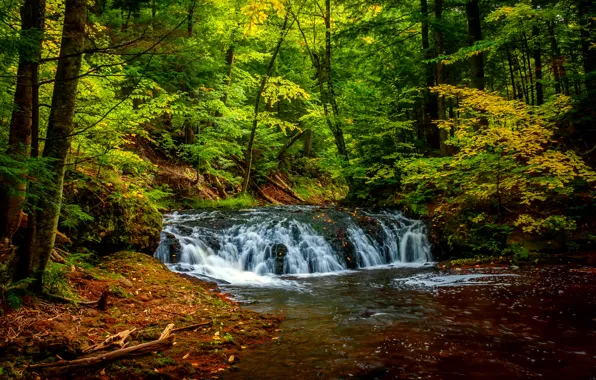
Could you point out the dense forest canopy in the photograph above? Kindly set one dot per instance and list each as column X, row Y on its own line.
column 477, row 115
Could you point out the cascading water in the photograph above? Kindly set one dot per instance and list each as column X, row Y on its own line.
column 251, row 246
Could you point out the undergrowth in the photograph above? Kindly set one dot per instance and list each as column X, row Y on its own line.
column 239, row 201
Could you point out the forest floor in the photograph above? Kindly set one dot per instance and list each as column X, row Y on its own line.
column 146, row 296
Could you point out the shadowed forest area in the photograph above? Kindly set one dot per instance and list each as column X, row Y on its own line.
column 477, row 117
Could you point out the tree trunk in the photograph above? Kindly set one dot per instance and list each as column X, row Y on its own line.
column 555, row 56
column 527, row 63
column 308, row 143
column 191, row 11
column 12, row 191
column 255, row 122
column 511, row 73
column 59, row 134
column 230, row 55
column 430, row 112
column 537, row 53
column 587, row 22
column 474, row 35
column 338, row 132
column 441, row 77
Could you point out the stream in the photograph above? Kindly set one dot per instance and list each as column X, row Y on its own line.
column 362, row 299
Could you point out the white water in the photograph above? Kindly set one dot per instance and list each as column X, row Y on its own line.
column 241, row 252
column 426, row 280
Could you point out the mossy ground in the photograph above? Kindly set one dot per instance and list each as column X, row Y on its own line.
column 144, row 295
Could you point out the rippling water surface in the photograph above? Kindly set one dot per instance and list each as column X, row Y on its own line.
column 361, row 299
column 421, row 323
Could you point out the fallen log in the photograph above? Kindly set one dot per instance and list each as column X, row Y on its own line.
column 262, row 194
column 163, row 343
column 285, row 188
column 112, row 340
column 289, row 143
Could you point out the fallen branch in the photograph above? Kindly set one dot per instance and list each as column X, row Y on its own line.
column 101, row 302
column 285, row 188
column 113, row 340
column 167, row 331
column 192, row 327
column 140, row 349
column 262, row 194
column 289, row 143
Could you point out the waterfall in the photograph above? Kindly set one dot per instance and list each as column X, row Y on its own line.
column 252, row 246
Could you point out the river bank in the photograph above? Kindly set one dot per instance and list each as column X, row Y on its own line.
column 211, row 332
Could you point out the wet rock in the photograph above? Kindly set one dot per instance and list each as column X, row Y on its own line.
column 174, row 247
column 279, row 252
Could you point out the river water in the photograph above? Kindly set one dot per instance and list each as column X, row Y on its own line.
column 399, row 318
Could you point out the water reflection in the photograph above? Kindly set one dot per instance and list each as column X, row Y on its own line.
column 396, row 323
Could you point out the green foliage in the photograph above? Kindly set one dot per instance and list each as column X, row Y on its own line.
column 54, row 280
column 237, row 202
column 502, row 175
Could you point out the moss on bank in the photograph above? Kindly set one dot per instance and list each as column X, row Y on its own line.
column 146, row 296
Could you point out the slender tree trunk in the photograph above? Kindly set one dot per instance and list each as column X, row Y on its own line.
column 59, row 134
column 511, row 73
column 474, row 35
column 230, row 56
column 537, row 53
column 191, row 11
column 12, row 191
column 255, row 122
column 526, row 59
column 555, row 56
column 430, row 99
column 338, row 129
column 588, row 29
column 309, row 136
column 153, row 13
column 522, row 75
column 441, row 77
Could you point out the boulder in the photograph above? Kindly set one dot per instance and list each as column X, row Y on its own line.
column 279, row 252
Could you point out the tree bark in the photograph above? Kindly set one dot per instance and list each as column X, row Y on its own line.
column 474, row 35
column 430, row 111
column 59, row 134
column 528, row 64
column 230, row 56
column 587, row 22
column 441, row 77
column 555, row 57
column 338, row 132
column 537, row 53
column 255, row 122
column 191, row 11
column 511, row 72
column 12, row 191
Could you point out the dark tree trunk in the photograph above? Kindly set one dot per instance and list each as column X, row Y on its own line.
column 230, row 55
column 338, row 128
column 308, row 139
column 527, row 64
column 555, row 57
column 430, row 112
column 474, row 35
column 59, row 135
column 191, row 11
column 441, row 77
column 12, row 191
column 537, row 53
column 255, row 122
column 588, row 28
column 511, row 73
